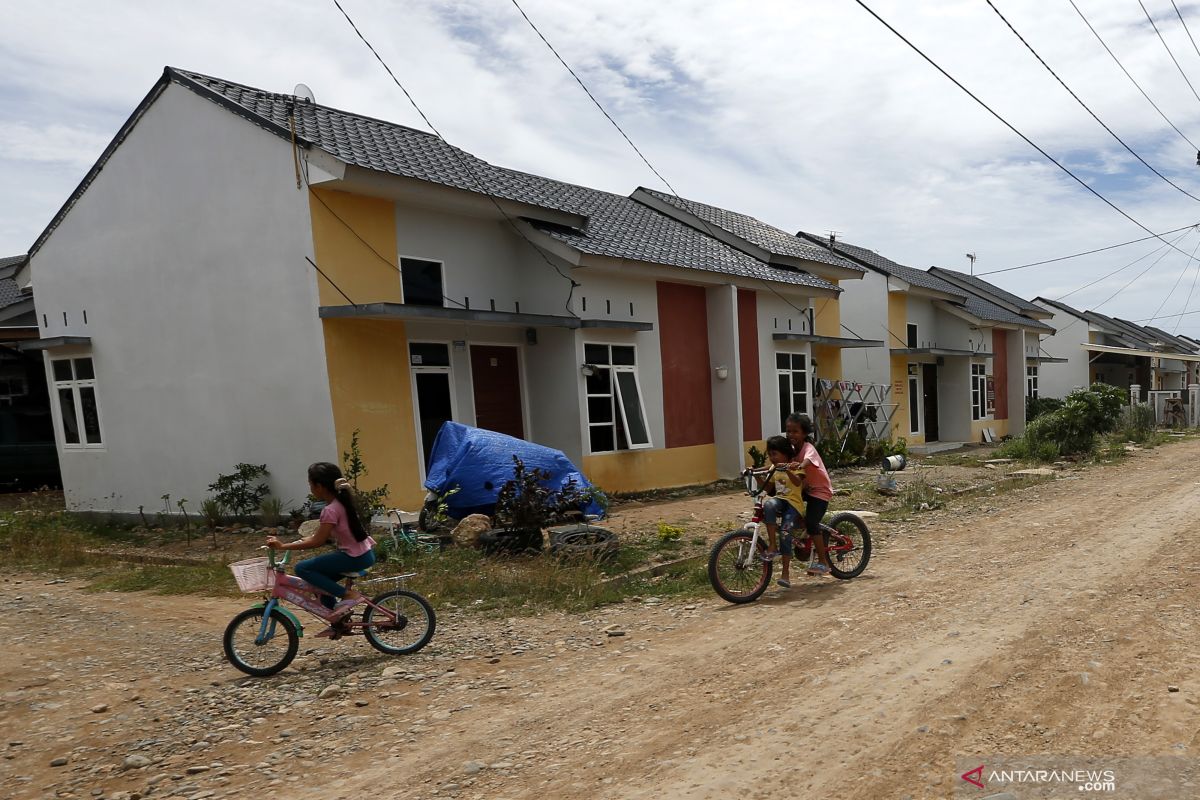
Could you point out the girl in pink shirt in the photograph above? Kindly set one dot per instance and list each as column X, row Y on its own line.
column 818, row 489
column 341, row 527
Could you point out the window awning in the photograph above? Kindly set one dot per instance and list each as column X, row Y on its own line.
column 937, row 351
column 831, row 341
column 55, row 342
column 1128, row 351
column 1048, row 360
column 402, row 312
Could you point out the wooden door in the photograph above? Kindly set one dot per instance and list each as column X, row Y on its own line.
column 496, row 381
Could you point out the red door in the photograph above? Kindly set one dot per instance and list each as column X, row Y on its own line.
column 496, row 380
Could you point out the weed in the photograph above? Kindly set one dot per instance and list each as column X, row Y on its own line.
column 669, row 533
column 919, row 495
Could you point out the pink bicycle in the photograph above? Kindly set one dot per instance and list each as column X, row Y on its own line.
column 263, row 639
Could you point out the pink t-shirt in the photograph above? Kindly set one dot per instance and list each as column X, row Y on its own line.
column 335, row 514
column 816, row 477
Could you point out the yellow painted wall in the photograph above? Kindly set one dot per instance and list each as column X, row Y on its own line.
column 998, row 426
column 638, row 470
column 761, row 444
column 901, row 398
column 348, row 260
column 367, row 360
column 370, row 388
column 827, row 321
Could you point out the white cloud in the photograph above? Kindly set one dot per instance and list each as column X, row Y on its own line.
column 53, row 144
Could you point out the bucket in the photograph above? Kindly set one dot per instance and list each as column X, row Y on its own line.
column 894, row 463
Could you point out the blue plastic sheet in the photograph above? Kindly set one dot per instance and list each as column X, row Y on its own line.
column 480, row 462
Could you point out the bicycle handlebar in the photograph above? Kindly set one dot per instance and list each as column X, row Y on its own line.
column 271, row 555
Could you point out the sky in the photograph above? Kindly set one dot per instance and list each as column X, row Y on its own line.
column 808, row 115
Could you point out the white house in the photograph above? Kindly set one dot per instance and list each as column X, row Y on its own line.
column 247, row 276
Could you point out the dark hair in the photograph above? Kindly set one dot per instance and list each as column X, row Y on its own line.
column 804, row 421
column 781, row 444
column 326, row 476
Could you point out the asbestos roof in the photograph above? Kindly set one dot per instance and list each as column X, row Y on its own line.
column 885, row 265
column 750, row 229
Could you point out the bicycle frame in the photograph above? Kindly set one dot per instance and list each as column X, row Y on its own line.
column 832, row 538
column 304, row 594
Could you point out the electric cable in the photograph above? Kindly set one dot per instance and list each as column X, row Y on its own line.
column 1176, row 286
column 1084, row 253
column 1167, row 47
column 1186, row 30
column 1132, row 80
column 1085, row 106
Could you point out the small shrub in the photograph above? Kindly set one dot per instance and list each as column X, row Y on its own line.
column 527, row 501
column 1136, row 423
column 1037, row 406
column 919, row 495
column 239, row 491
column 669, row 533
column 757, row 457
column 213, row 512
column 367, row 502
column 270, row 511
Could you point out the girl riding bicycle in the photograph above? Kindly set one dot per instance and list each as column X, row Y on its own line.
column 339, row 520
column 818, row 489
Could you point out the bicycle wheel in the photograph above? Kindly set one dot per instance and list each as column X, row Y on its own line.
column 737, row 574
column 409, row 631
column 260, row 660
column 849, row 545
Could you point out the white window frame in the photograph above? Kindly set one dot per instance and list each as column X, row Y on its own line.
column 1031, row 381
column 978, row 391
column 916, row 399
column 413, row 370
column 75, row 385
column 441, row 270
column 616, row 400
column 791, row 372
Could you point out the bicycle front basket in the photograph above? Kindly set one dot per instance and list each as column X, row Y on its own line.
column 253, row 574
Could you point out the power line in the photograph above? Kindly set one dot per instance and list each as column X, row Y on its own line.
column 1084, row 105
column 1117, row 271
column 479, row 184
column 1084, row 253
column 1168, row 49
column 1188, row 302
column 1132, row 80
column 1183, row 22
column 1176, row 286
column 646, row 161
column 1012, row 127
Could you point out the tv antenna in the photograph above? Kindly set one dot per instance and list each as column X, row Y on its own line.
column 833, row 236
column 971, row 258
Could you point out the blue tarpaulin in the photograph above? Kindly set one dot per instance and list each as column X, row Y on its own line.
column 480, row 462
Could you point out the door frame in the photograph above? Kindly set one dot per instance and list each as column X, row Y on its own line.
column 916, row 399
column 416, row 400
column 523, row 385
column 937, row 402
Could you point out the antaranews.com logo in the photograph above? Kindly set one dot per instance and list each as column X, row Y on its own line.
column 1085, row 780
column 1057, row 776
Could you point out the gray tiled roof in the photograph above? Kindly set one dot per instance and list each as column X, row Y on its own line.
column 619, row 227
column 1176, row 342
column 12, row 261
column 10, row 293
column 774, row 240
column 375, row 144
column 616, row 226
column 1110, row 326
column 979, row 284
column 986, row 309
column 885, row 265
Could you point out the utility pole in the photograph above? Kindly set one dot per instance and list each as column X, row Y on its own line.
column 971, row 258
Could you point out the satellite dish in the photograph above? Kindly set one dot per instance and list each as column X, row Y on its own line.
column 304, row 93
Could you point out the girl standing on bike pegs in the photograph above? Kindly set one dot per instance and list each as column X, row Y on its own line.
column 818, row 489
column 340, row 521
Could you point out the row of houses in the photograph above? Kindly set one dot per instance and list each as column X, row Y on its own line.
column 248, row 276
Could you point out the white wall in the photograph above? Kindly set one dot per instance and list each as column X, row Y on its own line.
column 722, row 307
column 773, row 317
column 187, row 253
column 864, row 309
column 922, row 314
column 1070, row 335
column 954, row 399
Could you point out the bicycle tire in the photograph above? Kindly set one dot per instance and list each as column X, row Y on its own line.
column 372, row 630
column 584, row 542
column 843, row 564
column 730, row 559
column 254, row 616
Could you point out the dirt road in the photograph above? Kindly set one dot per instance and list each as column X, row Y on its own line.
column 1055, row 620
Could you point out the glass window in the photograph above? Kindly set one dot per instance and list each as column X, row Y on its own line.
column 912, row 335
column 75, row 391
column 616, row 411
column 1031, row 382
column 421, row 282
column 428, row 354
column 978, row 391
column 792, row 375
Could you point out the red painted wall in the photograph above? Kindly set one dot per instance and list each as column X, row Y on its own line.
column 687, row 388
column 1000, row 371
column 747, row 304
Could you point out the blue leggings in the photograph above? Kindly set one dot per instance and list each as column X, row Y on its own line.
column 325, row 571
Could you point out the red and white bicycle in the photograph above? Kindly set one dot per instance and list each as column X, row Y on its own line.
column 736, row 567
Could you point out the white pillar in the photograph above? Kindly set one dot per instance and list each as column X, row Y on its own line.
column 725, row 372
column 1135, row 394
column 1193, row 400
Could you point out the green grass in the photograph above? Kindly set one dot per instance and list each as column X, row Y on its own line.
column 202, row 579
